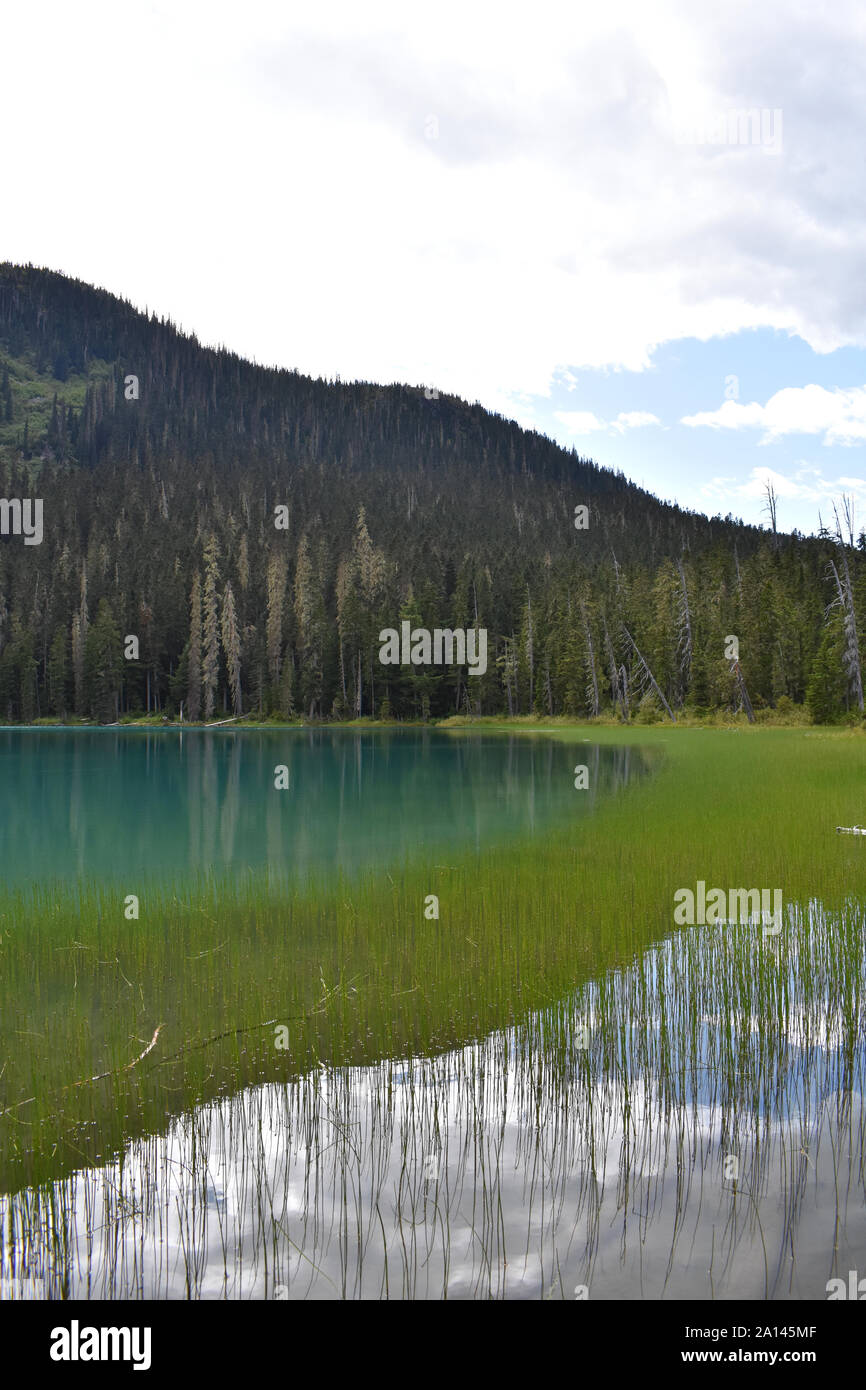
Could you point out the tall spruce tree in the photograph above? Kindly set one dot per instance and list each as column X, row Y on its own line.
column 232, row 647
column 194, row 676
column 211, row 628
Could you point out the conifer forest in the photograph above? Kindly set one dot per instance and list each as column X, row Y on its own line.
column 256, row 530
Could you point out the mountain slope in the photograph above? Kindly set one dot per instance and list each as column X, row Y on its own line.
column 395, row 506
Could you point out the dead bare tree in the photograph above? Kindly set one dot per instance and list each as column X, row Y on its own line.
column 592, row 675
column 507, row 662
column 770, row 504
column 623, row 676
column 684, row 618
column 645, row 675
column 615, row 568
column 743, row 693
column 844, row 601
column 615, row 693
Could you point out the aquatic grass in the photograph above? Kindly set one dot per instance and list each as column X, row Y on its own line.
column 554, row 1166
column 83, row 987
column 690, row 1031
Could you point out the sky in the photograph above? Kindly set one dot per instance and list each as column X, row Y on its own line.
column 636, row 228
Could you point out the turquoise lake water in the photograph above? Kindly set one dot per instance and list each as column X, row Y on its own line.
column 171, row 805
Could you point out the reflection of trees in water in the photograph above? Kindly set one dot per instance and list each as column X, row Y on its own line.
column 192, row 801
column 345, row 789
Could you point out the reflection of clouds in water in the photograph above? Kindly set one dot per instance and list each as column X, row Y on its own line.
column 506, row 1168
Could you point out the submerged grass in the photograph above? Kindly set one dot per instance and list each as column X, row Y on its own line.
column 522, row 1165
column 358, row 974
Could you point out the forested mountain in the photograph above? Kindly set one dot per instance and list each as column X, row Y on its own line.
column 255, row 529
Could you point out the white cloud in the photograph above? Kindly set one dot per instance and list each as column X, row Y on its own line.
column 839, row 415
column 271, row 178
column 585, row 422
column 632, row 420
column 579, row 421
column 805, row 484
column 565, row 377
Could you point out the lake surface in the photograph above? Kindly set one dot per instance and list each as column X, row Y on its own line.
column 679, row 1115
column 133, row 805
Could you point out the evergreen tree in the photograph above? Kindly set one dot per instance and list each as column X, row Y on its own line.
column 193, row 693
column 6, row 395
column 287, row 693
column 103, row 665
column 58, row 667
column 232, row 647
column 312, row 622
column 826, row 691
column 78, row 641
column 211, row 650
column 276, row 580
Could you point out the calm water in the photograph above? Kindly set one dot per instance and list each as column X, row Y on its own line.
column 165, row 805
column 584, row 1153
column 488, row 1173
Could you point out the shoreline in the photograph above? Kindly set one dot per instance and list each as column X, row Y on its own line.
column 512, row 723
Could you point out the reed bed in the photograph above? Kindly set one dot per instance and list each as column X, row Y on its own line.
column 524, row 1165
column 223, row 1165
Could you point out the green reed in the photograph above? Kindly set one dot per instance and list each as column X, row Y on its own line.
column 356, row 972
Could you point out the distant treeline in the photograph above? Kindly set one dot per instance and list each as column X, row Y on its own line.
column 255, row 530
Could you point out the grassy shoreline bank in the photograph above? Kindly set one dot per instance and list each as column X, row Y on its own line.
column 796, row 718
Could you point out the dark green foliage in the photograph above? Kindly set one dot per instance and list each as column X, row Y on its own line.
column 103, row 665
column 396, row 506
column 825, row 693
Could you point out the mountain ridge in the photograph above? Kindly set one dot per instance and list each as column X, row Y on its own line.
column 398, row 503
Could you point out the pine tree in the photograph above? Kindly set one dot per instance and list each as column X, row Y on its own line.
column 103, row 664
column 592, row 699
column 232, row 647
column 277, row 576
column 350, row 621
column 211, row 651
column 79, row 642
column 193, row 695
column 58, row 672
column 826, row 691
column 312, row 622
column 18, row 691
column 77, row 663
column 287, row 694
column 244, row 564
column 526, row 656
column 369, row 565
column 415, row 682
column 27, row 678
column 6, row 395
